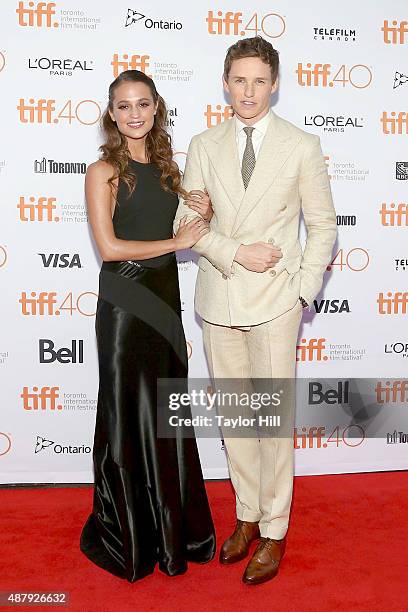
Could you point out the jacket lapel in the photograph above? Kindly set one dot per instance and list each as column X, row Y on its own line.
column 276, row 147
column 223, row 153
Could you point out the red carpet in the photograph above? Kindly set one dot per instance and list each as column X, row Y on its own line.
column 347, row 550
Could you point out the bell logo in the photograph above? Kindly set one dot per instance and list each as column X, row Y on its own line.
column 217, row 116
column 37, row 15
column 40, row 210
column 41, row 399
column 394, row 124
column 136, row 62
column 394, row 303
column 391, row 216
column 312, row 350
column 47, row 353
column 317, row 396
column 395, row 34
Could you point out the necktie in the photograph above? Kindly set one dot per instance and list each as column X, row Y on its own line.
column 248, row 160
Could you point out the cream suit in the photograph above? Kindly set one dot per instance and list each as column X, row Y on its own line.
column 290, row 176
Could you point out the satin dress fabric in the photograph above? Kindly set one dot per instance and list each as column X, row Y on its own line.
column 149, row 504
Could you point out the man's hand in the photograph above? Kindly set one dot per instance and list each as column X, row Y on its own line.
column 258, row 257
column 200, row 202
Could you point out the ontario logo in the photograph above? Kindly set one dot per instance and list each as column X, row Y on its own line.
column 151, row 24
column 60, row 449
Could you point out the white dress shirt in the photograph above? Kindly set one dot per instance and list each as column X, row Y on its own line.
column 257, row 135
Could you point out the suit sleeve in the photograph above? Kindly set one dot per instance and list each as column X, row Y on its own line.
column 320, row 220
column 216, row 247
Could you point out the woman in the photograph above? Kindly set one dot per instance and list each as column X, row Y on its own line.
column 149, row 502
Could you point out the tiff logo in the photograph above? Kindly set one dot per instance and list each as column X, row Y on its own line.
column 394, row 303
column 309, row 437
column 394, row 124
column 217, row 116
column 136, row 62
column 34, row 112
column 391, row 217
column 312, row 350
column 40, row 210
column 395, row 34
column 38, row 16
column 41, row 399
column 318, row 75
column 43, row 304
column 230, row 23
column 391, row 393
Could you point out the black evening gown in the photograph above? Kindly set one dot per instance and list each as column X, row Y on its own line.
column 149, row 505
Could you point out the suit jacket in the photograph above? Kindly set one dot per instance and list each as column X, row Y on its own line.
column 290, row 175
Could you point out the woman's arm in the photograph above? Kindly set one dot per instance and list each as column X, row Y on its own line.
column 100, row 204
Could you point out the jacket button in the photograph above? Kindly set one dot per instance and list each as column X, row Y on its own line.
column 224, row 277
column 271, row 241
column 272, row 272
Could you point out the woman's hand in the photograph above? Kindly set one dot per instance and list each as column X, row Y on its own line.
column 189, row 232
column 200, row 202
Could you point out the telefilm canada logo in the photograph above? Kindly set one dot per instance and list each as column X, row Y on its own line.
column 133, row 17
column 401, row 171
column 60, row 449
column 42, row 166
column 334, row 34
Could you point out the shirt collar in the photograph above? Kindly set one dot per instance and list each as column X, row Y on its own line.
column 261, row 125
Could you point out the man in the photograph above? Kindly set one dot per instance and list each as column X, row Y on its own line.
column 260, row 172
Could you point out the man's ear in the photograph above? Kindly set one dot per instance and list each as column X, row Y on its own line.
column 225, row 83
column 275, row 85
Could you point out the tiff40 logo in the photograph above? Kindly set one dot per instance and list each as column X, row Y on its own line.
column 229, row 23
column 355, row 260
column 48, row 303
column 320, row 75
column 86, row 112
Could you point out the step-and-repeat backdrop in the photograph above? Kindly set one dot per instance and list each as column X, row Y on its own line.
column 344, row 76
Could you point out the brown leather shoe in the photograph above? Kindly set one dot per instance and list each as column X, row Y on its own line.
column 265, row 561
column 236, row 547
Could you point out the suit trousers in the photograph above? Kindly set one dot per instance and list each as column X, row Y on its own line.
column 260, row 468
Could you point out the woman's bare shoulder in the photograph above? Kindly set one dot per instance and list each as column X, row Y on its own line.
column 100, row 170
